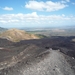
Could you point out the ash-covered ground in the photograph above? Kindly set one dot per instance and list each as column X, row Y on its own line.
column 49, row 56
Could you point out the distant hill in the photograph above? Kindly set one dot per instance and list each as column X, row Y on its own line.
column 16, row 35
column 2, row 29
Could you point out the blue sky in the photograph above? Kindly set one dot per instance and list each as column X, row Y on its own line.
column 37, row 13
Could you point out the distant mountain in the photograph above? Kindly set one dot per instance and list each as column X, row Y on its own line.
column 16, row 35
column 2, row 29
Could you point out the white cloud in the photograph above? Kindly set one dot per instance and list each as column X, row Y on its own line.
column 67, row 0
column 63, row 1
column 35, row 19
column 45, row 6
column 73, row 3
column 63, row 15
column 7, row 8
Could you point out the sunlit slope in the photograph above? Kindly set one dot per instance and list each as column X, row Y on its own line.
column 16, row 35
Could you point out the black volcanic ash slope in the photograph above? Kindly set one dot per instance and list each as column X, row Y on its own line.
column 36, row 57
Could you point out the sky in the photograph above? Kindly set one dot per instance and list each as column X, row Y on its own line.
column 37, row 13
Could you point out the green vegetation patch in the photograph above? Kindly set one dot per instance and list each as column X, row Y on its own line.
column 41, row 36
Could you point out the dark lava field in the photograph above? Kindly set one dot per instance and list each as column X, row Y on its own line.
column 48, row 56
